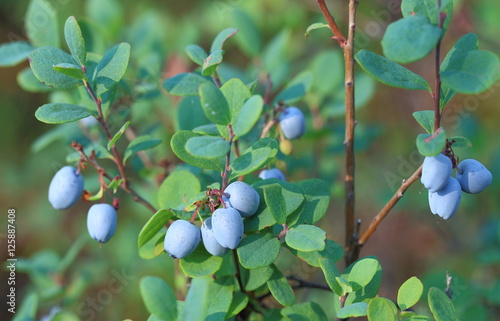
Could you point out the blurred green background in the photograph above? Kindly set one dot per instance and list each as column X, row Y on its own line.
column 411, row 241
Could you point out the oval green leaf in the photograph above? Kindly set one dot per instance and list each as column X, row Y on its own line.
column 441, row 306
column 409, row 293
column 280, row 289
column 431, row 145
column 111, row 68
column 60, row 113
column 200, row 263
column 214, row 104
column 75, row 41
column 178, row 144
column 258, row 250
column 42, row 61
column 12, row 53
column 306, row 238
column 381, row 309
column 153, row 226
column 255, row 157
column 207, row 147
column 159, row 298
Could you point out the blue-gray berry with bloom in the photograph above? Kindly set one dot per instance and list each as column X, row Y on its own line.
column 436, row 171
column 292, row 123
column 227, row 227
column 242, row 197
column 445, row 202
column 65, row 188
column 272, row 173
column 181, row 239
column 473, row 176
column 209, row 241
column 101, row 222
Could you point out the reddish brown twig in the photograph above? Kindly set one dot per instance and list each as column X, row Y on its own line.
column 337, row 34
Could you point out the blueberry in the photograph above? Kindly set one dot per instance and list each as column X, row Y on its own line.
column 207, row 235
column 473, row 176
column 227, row 227
column 292, row 123
column 272, row 173
column 435, row 172
column 65, row 188
column 101, row 222
column 445, row 201
column 181, row 239
column 242, row 197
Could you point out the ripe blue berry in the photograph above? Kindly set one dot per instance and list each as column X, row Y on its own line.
column 227, row 227
column 65, row 188
column 272, row 173
column 101, row 222
column 181, row 239
column 473, row 176
column 445, row 202
column 292, row 123
column 207, row 235
column 242, row 197
column 435, row 172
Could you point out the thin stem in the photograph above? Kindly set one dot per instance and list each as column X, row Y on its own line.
column 388, row 207
column 337, row 34
column 268, row 127
column 437, row 61
column 227, row 167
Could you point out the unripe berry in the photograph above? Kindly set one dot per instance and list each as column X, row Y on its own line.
column 227, row 227
column 473, row 176
column 207, row 235
column 242, row 197
column 181, row 239
column 272, row 173
column 65, row 188
column 292, row 123
column 435, row 172
column 101, row 222
column 445, row 202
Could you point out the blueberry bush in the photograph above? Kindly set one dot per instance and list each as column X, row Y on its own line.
column 230, row 149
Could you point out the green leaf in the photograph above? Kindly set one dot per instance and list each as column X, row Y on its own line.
column 248, row 116
column 317, row 196
column 410, row 39
column 331, row 275
column 308, row 311
column 460, row 141
column 236, row 93
column 177, row 188
column 41, row 24
column 190, row 114
column 258, row 250
column 345, row 285
column 184, row 84
column 75, row 41
column 220, row 298
column 139, row 144
column 214, row 104
column 221, row 38
column 27, row 309
column 280, row 289
column 200, row 263
column 178, row 144
column 255, row 157
column 471, row 72
column 153, row 226
column 431, row 145
column 314, row 26
column 381, row 309
column 409, row 293
column 364, row 276
column 208, row 129
column 57, row 113
column 297, row 88
column 239, row 302
column 159, row 298
column 426, row 119
column 42, row 61
column 118, row 134
column 441, row 306
column 27, row 81
column 12, row 53
column 333, row 251
column 389, row 72
column 111, row 68
column 306, row 238
column 108, row 15
column 197, row 300
column 70, row 70
column 249, row 39
column 428, row 9
column 115, row 184
column 327, row 83
column 196, row 53
column 275, row 202
column 354, row 310
column 257, row 277
column 207, row 147
column 211, row 63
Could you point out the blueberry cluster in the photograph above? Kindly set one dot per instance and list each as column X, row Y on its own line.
column 220, row 232
column 445, row 191
column 66, row 188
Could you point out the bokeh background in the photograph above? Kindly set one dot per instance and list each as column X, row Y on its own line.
column 411, row 241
